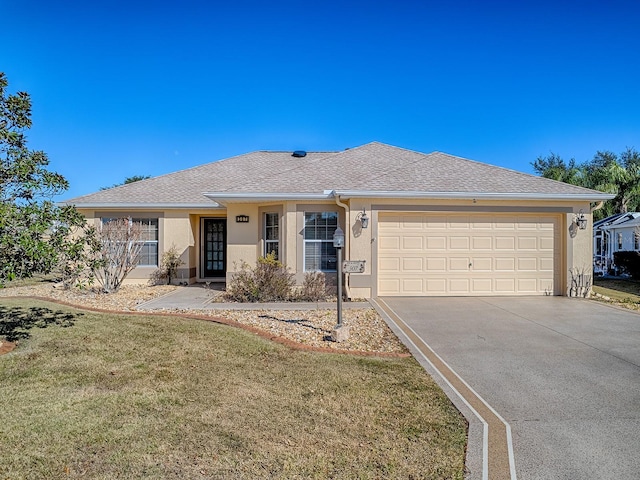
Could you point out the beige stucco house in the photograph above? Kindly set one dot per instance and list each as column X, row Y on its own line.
column 438, row 224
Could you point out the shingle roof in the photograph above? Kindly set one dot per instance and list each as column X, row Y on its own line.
column 374, row 167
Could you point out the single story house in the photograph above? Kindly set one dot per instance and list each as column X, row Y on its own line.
column 436, row 224
column 616, row 233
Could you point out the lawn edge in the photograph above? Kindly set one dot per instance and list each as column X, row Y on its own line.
column 221, row 321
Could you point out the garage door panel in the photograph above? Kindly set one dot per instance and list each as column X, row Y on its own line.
column 546, row 264
column 412, row 264
column 391, row 242
column 436, row 264
column 505, row 264
column 482, row 285
column 436, row 243
column 480, row 264
column 389, row 265
column 459, row 286
column 527, row 243
column 527, row 264
column 413, row 286
column 436, row 286
column 454, row 254
column 412, row 243
column 459, row 243
column 481, row 243
column 505, row 243
column 546, row 244
column 457, row 264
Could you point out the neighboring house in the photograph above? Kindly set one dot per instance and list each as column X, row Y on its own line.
column 616, row 233
column 438, row 224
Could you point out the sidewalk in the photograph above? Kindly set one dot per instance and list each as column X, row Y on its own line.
column 199, row 297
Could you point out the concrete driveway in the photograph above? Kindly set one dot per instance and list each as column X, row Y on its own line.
column 562, row 374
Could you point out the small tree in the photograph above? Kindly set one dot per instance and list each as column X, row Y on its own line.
column 169, row 265
column 121, row 241
column 35, row 233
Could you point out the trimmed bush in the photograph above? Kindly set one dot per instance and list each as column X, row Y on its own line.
column 629, row 262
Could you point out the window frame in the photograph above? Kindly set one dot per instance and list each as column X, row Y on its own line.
column 146, row 242
column 271, row 241
column 322, row 241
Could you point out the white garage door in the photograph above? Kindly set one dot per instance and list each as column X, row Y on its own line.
column 462, row 254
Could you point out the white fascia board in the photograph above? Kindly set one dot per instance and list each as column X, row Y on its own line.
column 346, row 194
column 224, row 198
column 149, row 206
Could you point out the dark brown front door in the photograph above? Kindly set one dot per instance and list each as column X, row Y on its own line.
column 214, row 262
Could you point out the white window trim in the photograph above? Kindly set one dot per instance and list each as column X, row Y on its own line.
column 271, row 242
column 305, row 240
column 132, row 219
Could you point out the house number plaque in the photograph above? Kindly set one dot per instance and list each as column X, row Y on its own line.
column 353, row 266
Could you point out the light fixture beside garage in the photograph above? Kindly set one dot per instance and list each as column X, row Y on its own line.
column 580, row 220
column 363, row 218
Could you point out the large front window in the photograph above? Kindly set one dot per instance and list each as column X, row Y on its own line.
column 149, row 253
column 319, row 252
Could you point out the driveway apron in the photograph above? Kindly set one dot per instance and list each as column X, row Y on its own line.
column 564, row 374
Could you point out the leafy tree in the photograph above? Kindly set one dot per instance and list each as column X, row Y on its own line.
column 607, row 172
column 618, row 175
column 556, row 168
column 135, row 178
column 35, row 234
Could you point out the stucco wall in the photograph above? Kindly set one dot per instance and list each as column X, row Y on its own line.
column 243, row 239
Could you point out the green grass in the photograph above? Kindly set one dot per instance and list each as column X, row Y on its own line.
column 623, row 291
column 106, row 396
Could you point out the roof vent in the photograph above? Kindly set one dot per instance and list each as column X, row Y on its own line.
column 299, row 154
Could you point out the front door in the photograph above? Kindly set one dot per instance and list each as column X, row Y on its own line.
column 214, row 262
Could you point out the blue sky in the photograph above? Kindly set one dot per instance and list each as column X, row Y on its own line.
column 123, row 88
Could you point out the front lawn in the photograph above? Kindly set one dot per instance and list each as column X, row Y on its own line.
column 136, row 396
column 625, row 292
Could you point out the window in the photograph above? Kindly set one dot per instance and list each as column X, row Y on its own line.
column 271, row 234
column 319, row 252
column 149, row 252
column 619, row 241
column 636, row 240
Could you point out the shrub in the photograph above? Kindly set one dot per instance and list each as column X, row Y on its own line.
column 168, row 267
column 629, row 262
column 314, row 287
column 269, row 281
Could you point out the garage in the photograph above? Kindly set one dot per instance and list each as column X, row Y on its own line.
column 460, row 254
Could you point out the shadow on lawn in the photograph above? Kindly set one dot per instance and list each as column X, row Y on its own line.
column 302, row 323
column 15, row 322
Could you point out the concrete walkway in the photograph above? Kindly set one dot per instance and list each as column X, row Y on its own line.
column 199, row 297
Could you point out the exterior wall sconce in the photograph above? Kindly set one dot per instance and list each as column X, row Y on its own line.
column 580, row 220
column 242, row 218
column 364, row 219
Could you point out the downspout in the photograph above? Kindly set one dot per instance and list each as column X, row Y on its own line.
column 347, row 236
column 598, row 206
column 602, row 244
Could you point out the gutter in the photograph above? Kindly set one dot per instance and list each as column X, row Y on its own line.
column 346, row 194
